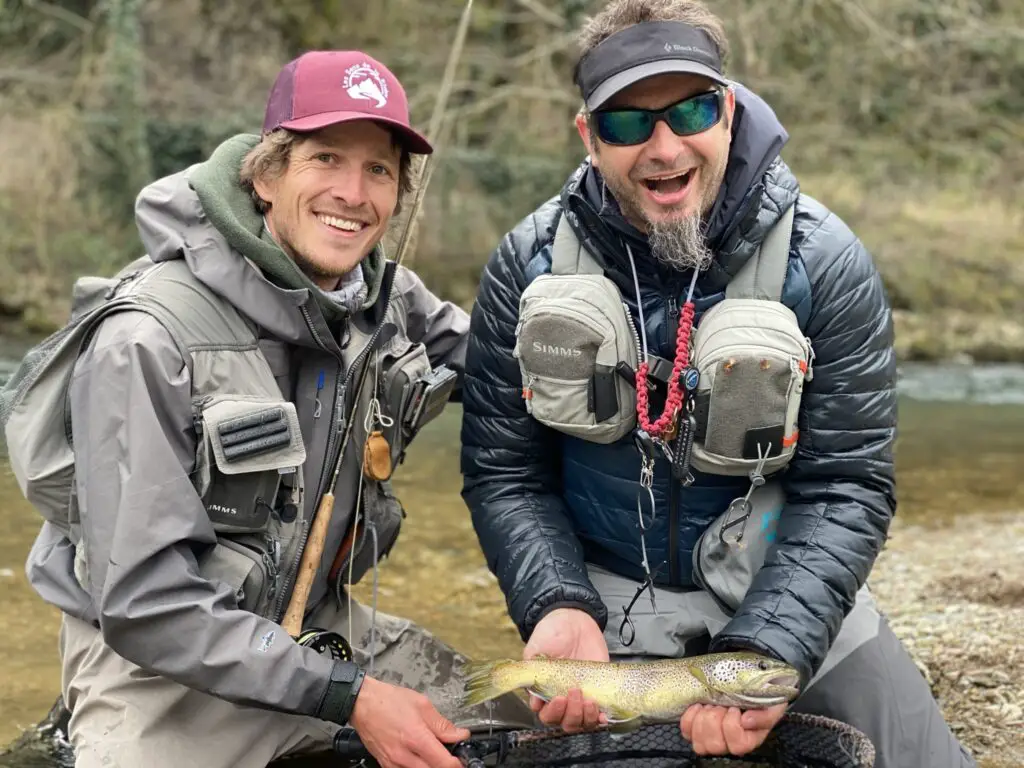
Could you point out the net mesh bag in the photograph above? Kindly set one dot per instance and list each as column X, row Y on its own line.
column 799, row 741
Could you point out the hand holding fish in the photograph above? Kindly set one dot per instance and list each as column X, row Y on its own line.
column 568, row 633
column 714, row 730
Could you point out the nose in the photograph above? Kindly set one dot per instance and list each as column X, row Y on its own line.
column 349, row 186
column 663, row 145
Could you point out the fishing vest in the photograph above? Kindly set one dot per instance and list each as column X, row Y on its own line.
column 250, row 452
column 578, row 350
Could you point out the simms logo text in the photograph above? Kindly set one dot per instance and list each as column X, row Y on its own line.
column 551, row 349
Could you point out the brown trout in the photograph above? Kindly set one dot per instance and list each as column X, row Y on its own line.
column 651, row 691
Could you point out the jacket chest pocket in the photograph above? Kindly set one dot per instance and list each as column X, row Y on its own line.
column 246, row 446
column 404, row 369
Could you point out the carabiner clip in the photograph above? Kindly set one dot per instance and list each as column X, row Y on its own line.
column 626, row 622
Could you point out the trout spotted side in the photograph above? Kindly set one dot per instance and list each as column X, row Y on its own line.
column 642, row 691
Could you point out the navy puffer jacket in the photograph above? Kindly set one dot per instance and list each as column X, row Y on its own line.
column 543, row 503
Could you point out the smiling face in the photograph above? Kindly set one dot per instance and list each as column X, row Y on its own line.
column 332, row 203
column 667, row 183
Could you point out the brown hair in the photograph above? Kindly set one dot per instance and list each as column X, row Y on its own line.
column 270, row 157
column 619, row 14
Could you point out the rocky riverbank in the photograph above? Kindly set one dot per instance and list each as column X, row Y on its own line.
column 955, row 596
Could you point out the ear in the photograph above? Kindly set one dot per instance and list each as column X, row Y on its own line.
column 583, row 128
column 265, row 188
column 730, row 107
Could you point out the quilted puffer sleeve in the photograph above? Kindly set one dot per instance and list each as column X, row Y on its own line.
column 840, row 486
column 510, row 462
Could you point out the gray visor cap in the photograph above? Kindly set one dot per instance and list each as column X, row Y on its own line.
column 624, row 79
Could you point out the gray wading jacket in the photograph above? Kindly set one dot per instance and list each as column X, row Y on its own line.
column 188, row 585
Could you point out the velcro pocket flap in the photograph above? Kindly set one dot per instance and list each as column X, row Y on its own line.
column 254, row 436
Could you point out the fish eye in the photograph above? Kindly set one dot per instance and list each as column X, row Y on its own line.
column 762, row 665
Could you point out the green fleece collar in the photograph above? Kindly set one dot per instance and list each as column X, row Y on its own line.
column 230, row 209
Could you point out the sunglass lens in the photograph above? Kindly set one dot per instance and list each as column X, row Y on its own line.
column 623, row 126
column 695, row 115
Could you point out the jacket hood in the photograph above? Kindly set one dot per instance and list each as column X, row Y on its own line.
column 204, row 215
column 757, row 188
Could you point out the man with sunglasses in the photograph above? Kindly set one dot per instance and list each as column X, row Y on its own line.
column 683, row 186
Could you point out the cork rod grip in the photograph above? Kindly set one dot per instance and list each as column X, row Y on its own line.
column 292, row 622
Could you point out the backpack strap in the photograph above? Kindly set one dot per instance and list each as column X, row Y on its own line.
column 763, row 275
column 568, row 256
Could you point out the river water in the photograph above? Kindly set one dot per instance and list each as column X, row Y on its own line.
column 960, row 451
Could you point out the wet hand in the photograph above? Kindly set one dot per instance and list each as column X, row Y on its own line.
column 568, row 633
column 727, row 730
column 402, row 729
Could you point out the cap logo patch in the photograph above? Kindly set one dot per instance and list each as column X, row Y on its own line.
column 365, row 83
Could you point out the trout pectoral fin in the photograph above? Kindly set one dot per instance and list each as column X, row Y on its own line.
column 698, row 673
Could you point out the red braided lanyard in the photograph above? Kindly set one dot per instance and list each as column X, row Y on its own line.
column 674, row 401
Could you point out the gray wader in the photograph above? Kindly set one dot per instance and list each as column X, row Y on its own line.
column 868, row 679
column 123, row 716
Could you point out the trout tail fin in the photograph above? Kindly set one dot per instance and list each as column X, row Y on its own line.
column 486, row 680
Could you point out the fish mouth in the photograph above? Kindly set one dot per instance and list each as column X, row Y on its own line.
column 776, row 688
column 784, row 680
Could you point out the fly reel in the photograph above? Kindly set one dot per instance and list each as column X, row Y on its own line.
column 326, row 643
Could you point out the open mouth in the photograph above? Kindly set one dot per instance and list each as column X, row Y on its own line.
column 669, row 190
column 343, row 226
column 784, row 681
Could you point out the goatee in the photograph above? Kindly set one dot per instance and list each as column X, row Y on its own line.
column 680, row 243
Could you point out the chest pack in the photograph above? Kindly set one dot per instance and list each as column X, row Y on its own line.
column 578, row 349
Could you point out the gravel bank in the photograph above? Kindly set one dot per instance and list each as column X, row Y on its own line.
column 955, row 596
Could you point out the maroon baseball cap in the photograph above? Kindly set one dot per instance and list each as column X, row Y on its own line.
column 322, row 88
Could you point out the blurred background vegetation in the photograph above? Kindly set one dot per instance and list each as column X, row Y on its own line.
column 905, row 118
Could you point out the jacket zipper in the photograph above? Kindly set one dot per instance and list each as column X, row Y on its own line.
column 330, row 459
column 673, row 512
column 636, row 334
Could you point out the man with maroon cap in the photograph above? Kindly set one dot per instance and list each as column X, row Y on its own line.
column 270, row 354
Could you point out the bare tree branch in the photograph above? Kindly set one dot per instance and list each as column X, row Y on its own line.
column 61, row 14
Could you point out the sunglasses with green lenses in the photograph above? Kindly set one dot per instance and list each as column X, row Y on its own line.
column 633, row 125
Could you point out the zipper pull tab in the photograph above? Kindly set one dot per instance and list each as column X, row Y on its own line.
column 318, row 407
column 809, row 373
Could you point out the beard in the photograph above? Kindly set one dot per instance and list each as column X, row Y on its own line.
column 677, row 241
column 680, row 243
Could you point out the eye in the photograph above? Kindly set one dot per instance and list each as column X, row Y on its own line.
column 762, row 665
column 380, row 170
column 324, row 157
